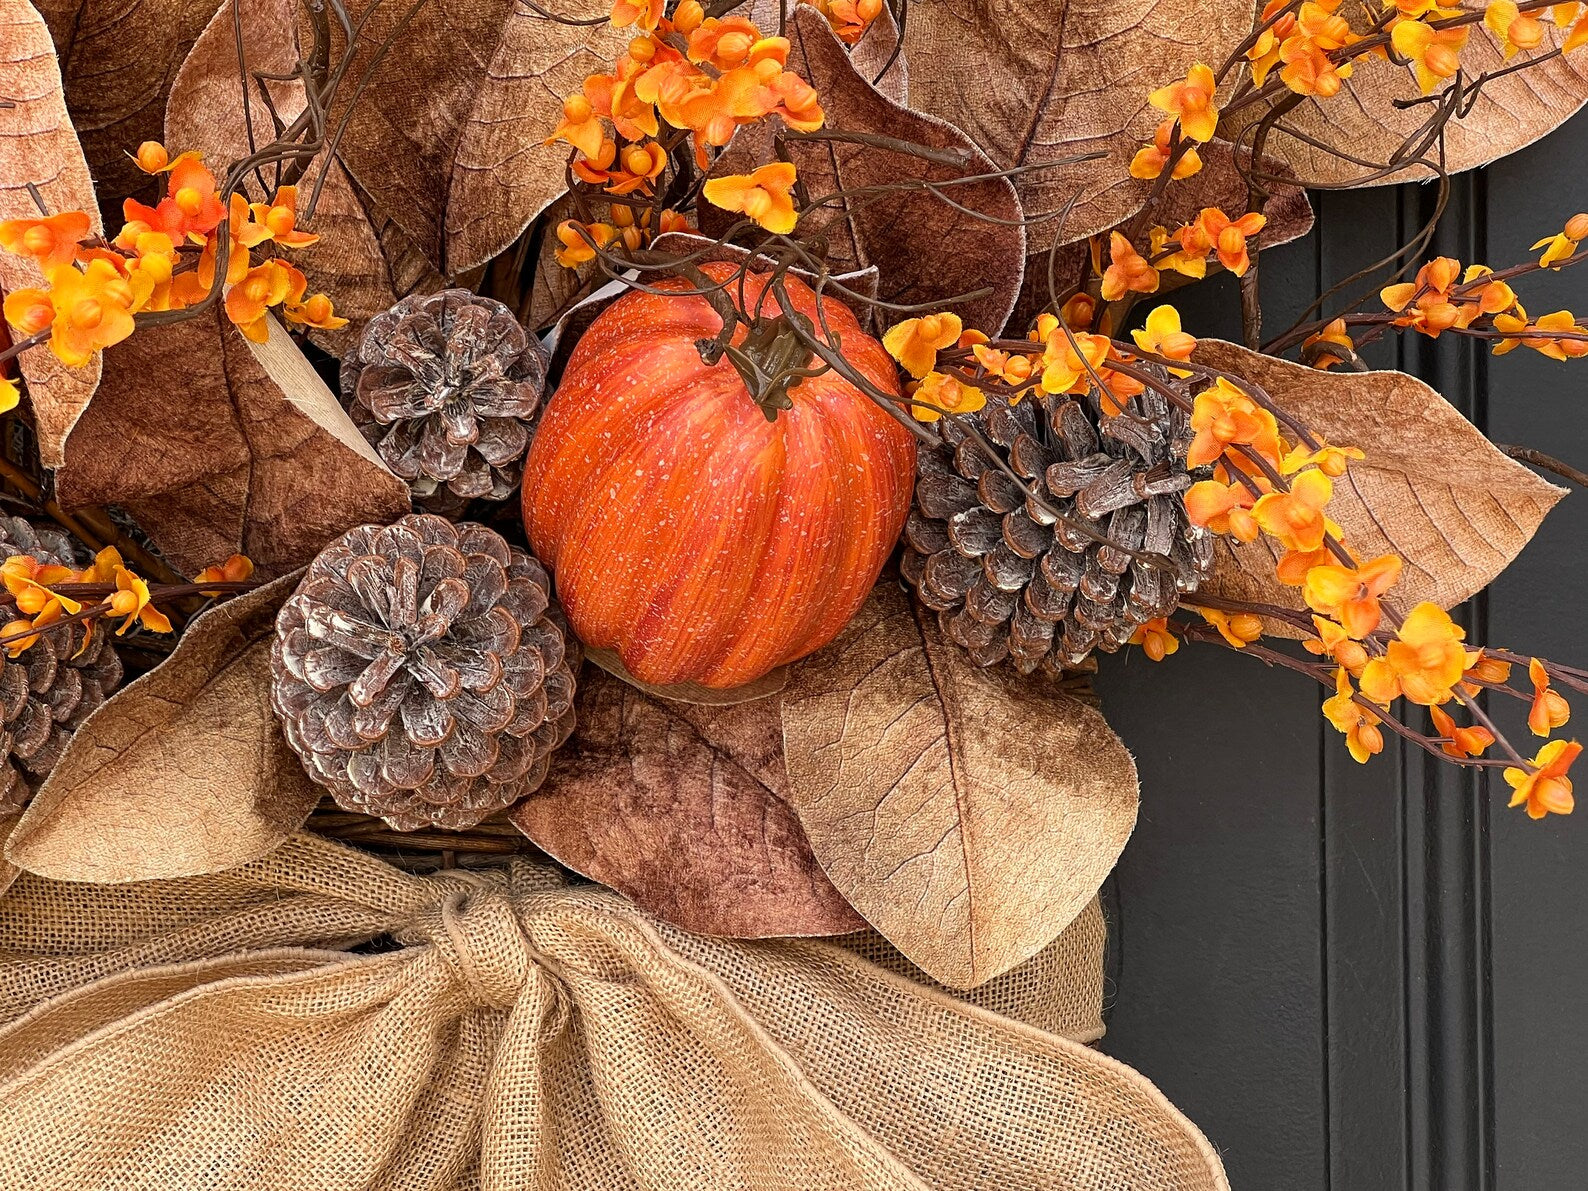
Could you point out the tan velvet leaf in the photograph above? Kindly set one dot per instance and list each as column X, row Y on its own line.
column 39, row 145
column 119, row 57
column 182, row 772
column 205, row 112
column 1033, row 83
column 877, row 56
column 216, row 444
column 680, row 808
column 969, row 814
column 8, row 871
column 1510, row 113
column 447, row 137
column 1432, row 489
column 924, row 250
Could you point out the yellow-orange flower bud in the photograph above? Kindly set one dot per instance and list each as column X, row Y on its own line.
column 1442, row 60
column 29, row 310
column 1577, row 227
column 687, row 17
column 734, row 47
column 152, row 157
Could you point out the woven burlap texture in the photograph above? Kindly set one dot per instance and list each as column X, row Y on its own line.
column 212, row 1032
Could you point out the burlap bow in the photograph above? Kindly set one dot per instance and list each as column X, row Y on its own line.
column 518, row 1033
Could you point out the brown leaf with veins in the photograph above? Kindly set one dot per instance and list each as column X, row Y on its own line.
column 216, row 444
column 8, row 871
column 38, row 145
column 363, row 274
column 1033, row 83
column 1432, row 489
column 183, row 772
column 924, row 249
column 680, row 807
column 969, row 814
column 118, row 58
column 1510, row 113
column 446, row 139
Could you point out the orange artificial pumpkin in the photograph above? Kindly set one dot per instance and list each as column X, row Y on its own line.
column 696, row 538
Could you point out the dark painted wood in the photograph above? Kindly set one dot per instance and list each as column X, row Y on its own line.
column 1539, row 871
column 1371, row 977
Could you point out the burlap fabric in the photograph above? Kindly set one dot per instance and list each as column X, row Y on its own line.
column 1059, row 989
column 214, row 1032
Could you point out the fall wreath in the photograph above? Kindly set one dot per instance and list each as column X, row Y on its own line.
column 657, row 476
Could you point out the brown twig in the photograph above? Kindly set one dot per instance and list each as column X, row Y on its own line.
column 1546, row 463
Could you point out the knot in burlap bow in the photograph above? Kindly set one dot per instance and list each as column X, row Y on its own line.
column 479, row 934
column 215, row 1031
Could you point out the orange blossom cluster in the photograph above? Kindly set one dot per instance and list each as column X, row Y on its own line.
column 691, row 77
column 163, row 258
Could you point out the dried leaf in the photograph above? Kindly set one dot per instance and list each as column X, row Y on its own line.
column 1432, row 489
column 877, row 57
column 216, row 444
column 1510, row 113
column 205, row 112
column 8, row 871
column 38, row 145
column 969, row 814
column 770, row 683
column 183, row 772
column 447, row 136
column 923, row 249
column 119, row 57
column 557, row 289
column 680, row 807
column 1036, row 83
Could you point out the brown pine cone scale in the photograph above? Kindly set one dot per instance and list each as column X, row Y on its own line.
column 421, row 675
column 1100, row 546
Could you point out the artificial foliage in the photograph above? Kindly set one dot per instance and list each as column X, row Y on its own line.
column 829, row 351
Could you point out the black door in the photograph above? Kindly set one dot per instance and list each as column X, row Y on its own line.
column 1374, row 976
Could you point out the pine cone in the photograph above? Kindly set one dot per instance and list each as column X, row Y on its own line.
column 419, row 673
column 444, row 387
column 1006, row 578
column 51, row 687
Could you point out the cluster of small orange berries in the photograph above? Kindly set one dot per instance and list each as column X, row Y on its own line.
column 1185, row 250
column 163, row 258
column 34, row 590
column 1264, row 485
column 1444, row 297
column 699, row 77
column 1315, row 47
column 1058, row 356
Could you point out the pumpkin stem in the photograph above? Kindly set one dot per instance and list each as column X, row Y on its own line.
column 772, row 358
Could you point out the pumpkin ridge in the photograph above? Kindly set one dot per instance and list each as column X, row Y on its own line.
column 690, row 535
